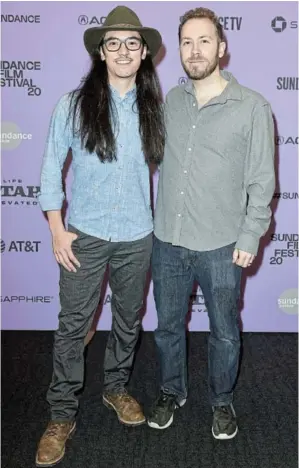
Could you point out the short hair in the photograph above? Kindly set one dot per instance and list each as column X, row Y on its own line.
column 202, row 13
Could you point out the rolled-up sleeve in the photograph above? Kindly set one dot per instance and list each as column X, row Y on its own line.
column 259, row 180
column 59, row 140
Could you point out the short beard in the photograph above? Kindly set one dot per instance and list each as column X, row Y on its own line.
column 195, row 74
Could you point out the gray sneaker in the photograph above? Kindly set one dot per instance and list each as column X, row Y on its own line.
column 224, row 422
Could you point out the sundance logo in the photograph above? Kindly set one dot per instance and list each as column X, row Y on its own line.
column 286, row 195
column 288, row 301
column 288, row 83
column 20, row 18
column 12, row 136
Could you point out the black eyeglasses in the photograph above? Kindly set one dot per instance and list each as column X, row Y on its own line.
column 113, row 44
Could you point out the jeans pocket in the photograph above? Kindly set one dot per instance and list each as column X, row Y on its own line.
column 74, row 230
column 75, row 242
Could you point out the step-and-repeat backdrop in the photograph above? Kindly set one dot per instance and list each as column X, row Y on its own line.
column 43, row 57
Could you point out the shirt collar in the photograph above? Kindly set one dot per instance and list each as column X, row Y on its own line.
column 232, row 91
column 131, row 94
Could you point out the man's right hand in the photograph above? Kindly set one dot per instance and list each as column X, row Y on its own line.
column 62, row 248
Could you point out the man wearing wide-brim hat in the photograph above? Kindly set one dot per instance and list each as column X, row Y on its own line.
column 114, row 124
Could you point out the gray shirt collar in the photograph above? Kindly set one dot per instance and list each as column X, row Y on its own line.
column 232, row 91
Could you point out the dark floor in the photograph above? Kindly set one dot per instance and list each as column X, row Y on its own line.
column 265, row 401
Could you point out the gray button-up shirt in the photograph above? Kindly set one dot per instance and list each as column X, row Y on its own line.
column 217, row 178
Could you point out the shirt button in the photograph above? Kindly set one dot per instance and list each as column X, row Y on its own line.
column 193, row 126
column 189, row 149
column 179, row 215
column 182, row 193
column 194, row 104
column 185, row 172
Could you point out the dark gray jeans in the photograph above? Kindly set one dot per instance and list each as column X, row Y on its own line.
column 79, row 297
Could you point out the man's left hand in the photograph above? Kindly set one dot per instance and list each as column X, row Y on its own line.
column 243, row 259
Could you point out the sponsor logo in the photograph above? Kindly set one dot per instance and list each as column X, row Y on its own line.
column 197, row 303
column 15, row 193
column 20, row 19
column 279, row 24
column 20, row 246
column 106, row 299
column 288, row 301
column 85, row 20
column 12, row 136
column 18, row 74
column 289, row 249
column 229, row 23
column 282, row 140
column 290, row 83
column 183, row 80
column 27, row 299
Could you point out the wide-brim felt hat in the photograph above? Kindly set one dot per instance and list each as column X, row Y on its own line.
column 122, row 18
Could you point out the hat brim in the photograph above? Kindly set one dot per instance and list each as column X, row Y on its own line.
column 93, row 37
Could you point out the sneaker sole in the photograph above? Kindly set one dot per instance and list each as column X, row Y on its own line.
column 49, row 465
column 224, row 436
column 154, row 425
column 126, row 423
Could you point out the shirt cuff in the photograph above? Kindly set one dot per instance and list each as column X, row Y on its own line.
column 248, row 243
column 51, row 202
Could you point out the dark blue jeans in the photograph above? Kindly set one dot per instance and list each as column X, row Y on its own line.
column 174, row 270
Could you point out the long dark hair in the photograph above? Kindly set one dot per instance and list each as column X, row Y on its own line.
column 92, row 110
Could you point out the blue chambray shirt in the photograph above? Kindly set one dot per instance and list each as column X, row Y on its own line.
column 109, row 200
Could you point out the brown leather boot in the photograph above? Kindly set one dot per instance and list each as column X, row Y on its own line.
column 51, row 448
column 128, row 410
